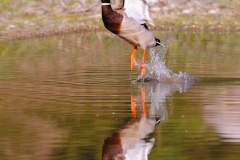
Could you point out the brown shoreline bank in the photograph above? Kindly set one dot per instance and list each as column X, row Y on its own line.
column 31, row 19
column 14, row 32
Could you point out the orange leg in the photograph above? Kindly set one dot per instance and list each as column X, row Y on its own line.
column 143, row 97
column 133, row 57
column 134, row 106
column 143, row 65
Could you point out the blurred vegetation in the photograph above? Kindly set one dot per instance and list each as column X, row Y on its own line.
column 37, row 18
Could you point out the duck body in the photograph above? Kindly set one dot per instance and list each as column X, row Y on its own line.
column 128, row 24
column 136, row 34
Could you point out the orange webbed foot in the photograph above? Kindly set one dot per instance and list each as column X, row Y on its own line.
column 143, row 70
column 134, row 106
column 133, row 58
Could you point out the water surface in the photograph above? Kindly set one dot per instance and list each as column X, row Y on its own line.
column 64, row 97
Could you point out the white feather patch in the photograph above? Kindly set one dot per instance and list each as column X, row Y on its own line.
column 138, row 9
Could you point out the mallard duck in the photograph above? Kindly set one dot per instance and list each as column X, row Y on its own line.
column 128, row 21
column 130, row 141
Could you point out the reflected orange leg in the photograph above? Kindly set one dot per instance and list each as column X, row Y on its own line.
column 133, row 57
column 143, row 65
column 134, row 106
column 143, row 97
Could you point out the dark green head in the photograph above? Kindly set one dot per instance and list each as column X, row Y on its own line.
column 105, row 1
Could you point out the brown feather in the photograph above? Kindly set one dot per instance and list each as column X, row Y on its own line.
column 112, row 19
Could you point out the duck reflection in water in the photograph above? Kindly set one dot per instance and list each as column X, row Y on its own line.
column 132, row 142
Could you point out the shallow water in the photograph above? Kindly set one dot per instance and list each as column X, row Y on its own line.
column 72, row 97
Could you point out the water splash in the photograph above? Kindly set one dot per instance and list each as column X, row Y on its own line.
column 157, row 70
column 157, row 94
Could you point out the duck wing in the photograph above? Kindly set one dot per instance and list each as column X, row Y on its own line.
column 138, row 9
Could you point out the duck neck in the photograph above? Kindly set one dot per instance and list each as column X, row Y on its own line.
column 106, row 7
column 106, row 2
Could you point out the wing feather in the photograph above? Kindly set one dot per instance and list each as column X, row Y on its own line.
column 138, row 9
